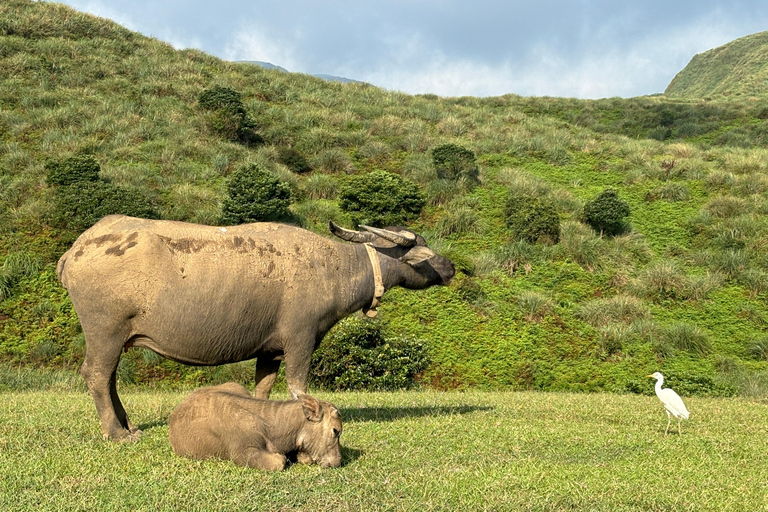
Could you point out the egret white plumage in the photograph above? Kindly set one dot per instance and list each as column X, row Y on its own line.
column 672, row 402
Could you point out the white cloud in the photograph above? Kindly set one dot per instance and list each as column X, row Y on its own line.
column 255, row 44
column 644, row 67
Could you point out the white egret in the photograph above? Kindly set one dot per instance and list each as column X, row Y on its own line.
column 672, row 402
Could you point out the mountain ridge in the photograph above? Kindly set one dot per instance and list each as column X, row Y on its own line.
column 737, row 68
column 326, row 77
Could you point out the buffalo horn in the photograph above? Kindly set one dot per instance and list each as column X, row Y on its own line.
column 402, row 238
column 350, row 235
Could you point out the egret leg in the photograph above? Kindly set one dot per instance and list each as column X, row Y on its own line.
column 680, row 432
column 669, row 420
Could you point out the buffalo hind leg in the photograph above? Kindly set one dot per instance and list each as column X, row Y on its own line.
column 100, row 374
column 266, row 374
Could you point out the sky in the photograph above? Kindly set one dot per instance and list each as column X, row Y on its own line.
column 585, row 49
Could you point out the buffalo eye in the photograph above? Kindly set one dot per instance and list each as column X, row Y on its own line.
column 336, row 432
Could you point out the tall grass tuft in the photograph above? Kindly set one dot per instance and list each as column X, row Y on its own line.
column 458, row 220
column 516, row 256
column 334, row 161
column 581, row 244
column 613, row 337
column 687, row 337
column 662, row 279
column 534, row 305
column 698, row 287
column 192, row 203
column 17, row 266
column 759, row 349
column 755, row 280
column 321, row 186
column 618, row 309
column 316, row 214
column 520, row 182
column 441, row 191
column 725, row 206
column 672, row 192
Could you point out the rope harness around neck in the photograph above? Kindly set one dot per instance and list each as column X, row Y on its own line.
column 378, row 284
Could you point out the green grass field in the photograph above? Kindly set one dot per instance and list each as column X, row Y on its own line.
column 420, row 450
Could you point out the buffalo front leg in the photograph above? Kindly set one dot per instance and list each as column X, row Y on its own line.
column 100, row 374
column 260, row 459
column 297, row 372
column 266, row 374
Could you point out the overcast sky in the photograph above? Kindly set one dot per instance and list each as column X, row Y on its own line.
column 565, row 48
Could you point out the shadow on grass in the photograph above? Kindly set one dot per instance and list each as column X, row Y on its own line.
column 348, row 455
column 147, row 425
column 351, row 414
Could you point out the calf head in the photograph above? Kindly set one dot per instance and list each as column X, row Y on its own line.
column 318, row 440
column 427, row 267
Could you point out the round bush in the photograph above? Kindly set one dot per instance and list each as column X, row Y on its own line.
column 80, row 206
column 76, row 169
column 381, row 199
column 221, row 98
column 255, row 195
column 227, row 116
column 357, row 355
column 607, row 213
column 532, row 219
column 456, row 163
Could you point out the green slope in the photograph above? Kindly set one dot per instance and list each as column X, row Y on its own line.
column 739, row 68
column 685, row 292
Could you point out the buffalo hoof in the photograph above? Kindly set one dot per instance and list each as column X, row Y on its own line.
column 125, row 436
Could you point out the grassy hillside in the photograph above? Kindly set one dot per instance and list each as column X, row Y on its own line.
column 683, row 291
column 736, row 69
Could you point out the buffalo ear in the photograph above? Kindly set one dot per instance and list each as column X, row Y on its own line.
column 311, row 407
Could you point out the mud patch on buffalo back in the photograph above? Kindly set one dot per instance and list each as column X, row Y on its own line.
column 119, row 250
column 185, row 245
column 104, row 239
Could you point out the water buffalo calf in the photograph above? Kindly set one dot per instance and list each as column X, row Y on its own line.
column 227, row 422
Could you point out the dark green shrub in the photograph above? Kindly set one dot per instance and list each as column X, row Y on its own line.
column 80, row 206
column 455, row 163
column 357, row 355
column 255, row 195
column 221, row 98
column 226, row 115
column 76, row 169
column 381, row 199
column 607, row 213
column 659, row 133
column 294, row 160
column 532, row 219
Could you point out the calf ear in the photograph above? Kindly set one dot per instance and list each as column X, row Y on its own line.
column 311, row 407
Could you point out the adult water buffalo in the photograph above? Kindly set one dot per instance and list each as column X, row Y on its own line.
column 206, row 295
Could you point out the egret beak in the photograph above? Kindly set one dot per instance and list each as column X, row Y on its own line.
column 650, row 376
